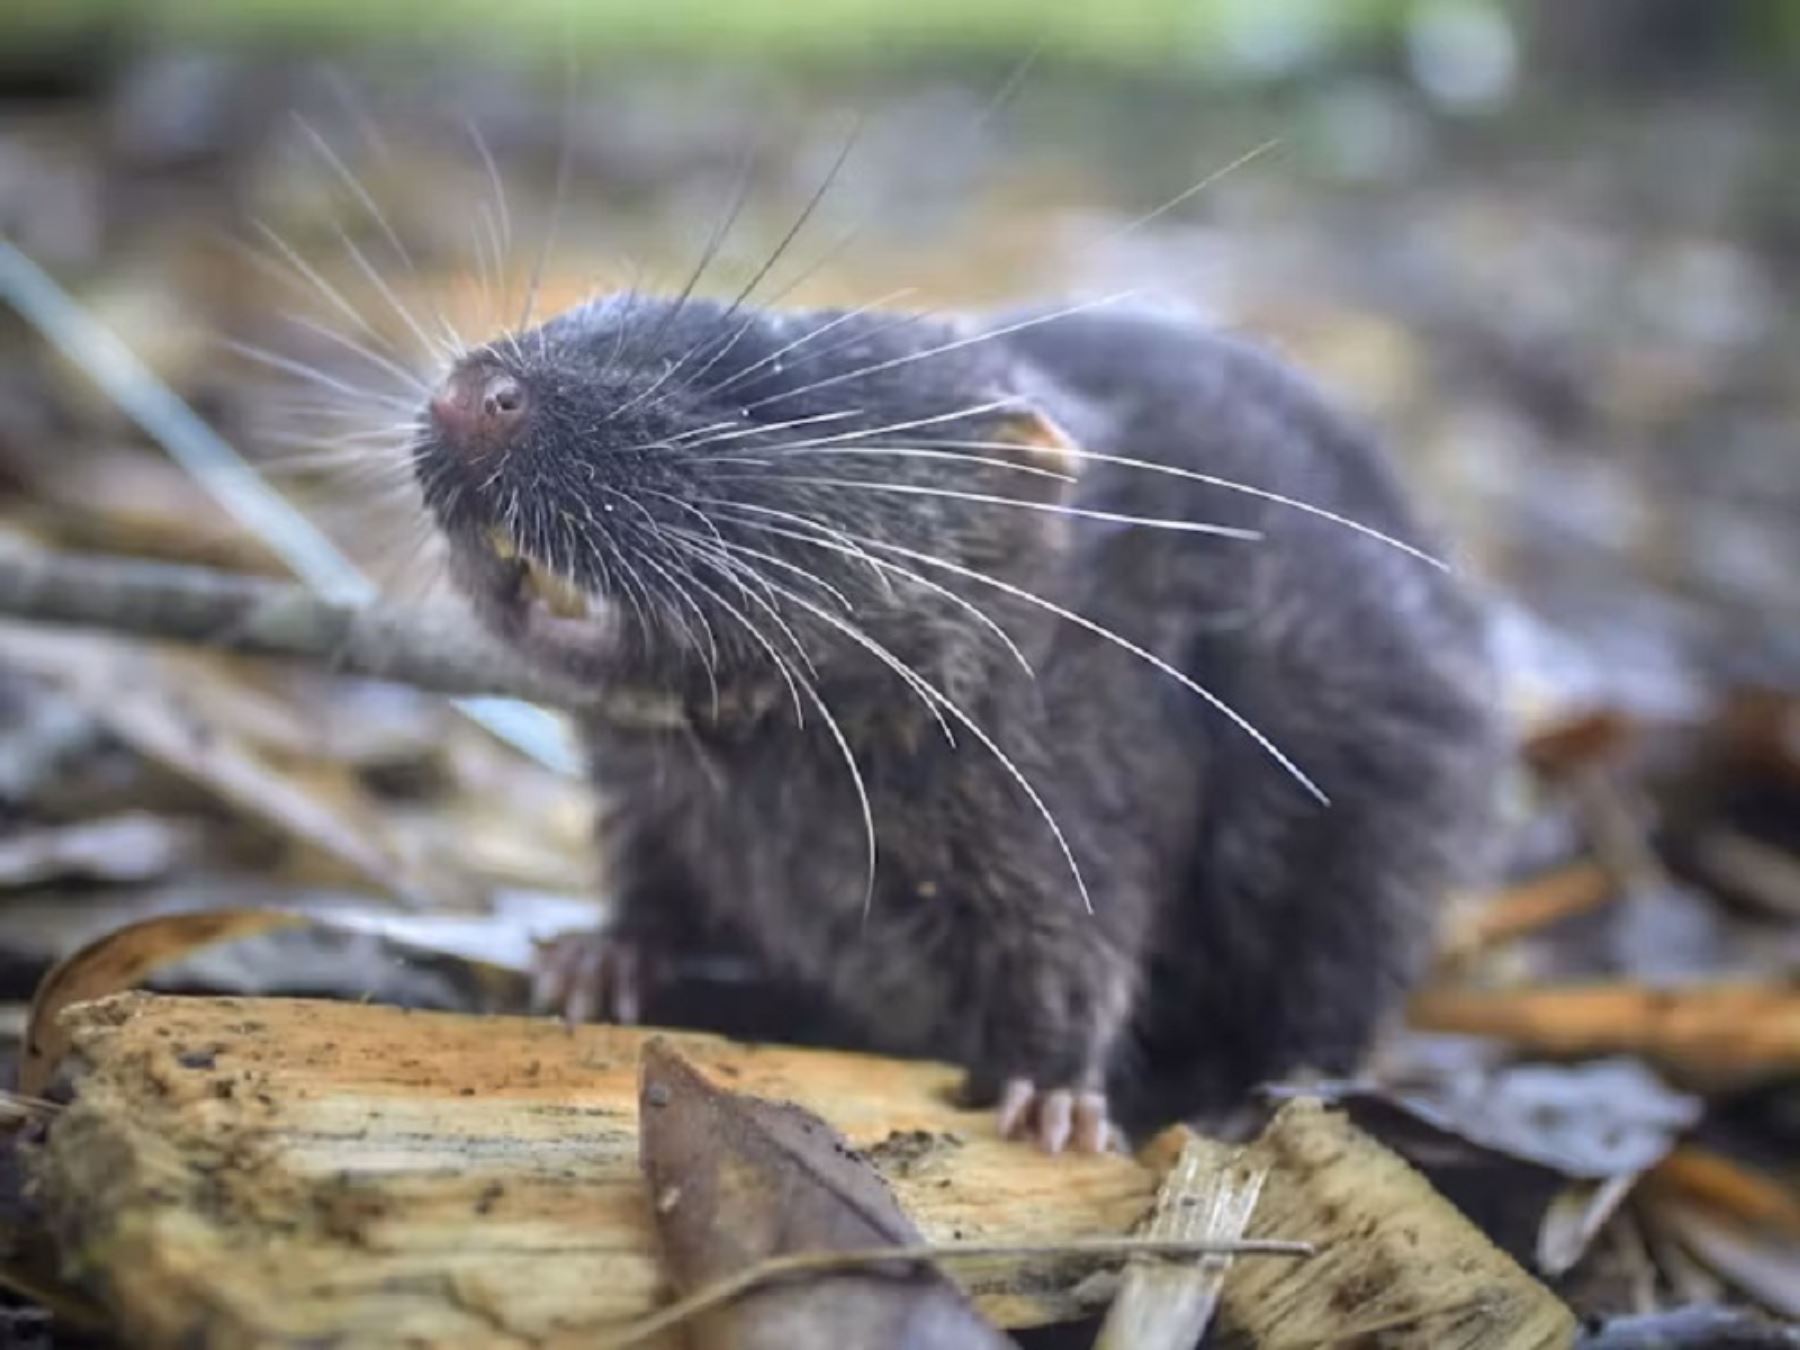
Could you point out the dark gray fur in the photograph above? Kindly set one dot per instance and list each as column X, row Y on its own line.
column 1239, row 930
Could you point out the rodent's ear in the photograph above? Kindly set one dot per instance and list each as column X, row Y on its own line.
column 1043, row 444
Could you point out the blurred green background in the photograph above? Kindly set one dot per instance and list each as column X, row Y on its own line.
column 1137, row 34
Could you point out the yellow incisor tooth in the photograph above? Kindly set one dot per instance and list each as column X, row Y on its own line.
column 498, row 540
column 561, row 596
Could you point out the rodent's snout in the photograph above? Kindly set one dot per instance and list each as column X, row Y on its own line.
column 477, row 409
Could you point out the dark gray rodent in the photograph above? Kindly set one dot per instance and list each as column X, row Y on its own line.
column 763, row 517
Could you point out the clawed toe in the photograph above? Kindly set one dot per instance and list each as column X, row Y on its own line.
column 1056, row 1118
column 587, row 977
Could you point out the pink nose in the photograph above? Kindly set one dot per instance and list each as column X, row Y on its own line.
column 478, row 410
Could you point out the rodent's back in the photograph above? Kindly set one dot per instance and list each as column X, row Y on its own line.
column 1300, row 924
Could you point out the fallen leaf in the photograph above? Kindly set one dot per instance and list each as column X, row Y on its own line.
column 1574, row 1219
column 117, row 962
column 736, row 1180
column 1591, row 1121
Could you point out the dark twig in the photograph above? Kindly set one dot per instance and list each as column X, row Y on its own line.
column 435, row 649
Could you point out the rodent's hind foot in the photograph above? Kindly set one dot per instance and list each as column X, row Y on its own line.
column 1056, row 1118
column 589, row 976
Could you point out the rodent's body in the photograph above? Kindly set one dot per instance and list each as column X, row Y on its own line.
column 1239, row 929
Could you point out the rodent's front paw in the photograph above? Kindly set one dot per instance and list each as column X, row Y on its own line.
column 1056, row 1117
column 588, row 977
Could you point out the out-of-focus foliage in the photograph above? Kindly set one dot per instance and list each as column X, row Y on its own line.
column 1230, row 37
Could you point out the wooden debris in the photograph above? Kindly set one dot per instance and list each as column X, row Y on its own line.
column 143, row 701
column 1712, row 1033
column 1167, row 1307
column 1697, row 1328
column 1529, row 906
column 245, row 1171
column 1741, row 1254
column 1745, row 1194
column 1398, row 1265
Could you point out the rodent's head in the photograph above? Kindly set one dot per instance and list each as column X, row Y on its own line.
column 684, row 493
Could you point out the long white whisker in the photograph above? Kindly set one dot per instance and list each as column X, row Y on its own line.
column 493, row 176
column 911, row 424
column 842, row 742
column 387, row 293
column 775, row 256
column 354, row 184
column 312, row 275
column 366, row 461
column 1013, row 82
column 732, row 574
column 408, row 377
column 763, row 556
column 658, row 534
column 313, row 375
column 806, row 214
column 741, row 430
column 958, row 344
column 763, row 363
column 921, row 687
column 936, row 588
column 1249, row 156
column 1101, row 631
column 990, row 499
column 681, row 593
column 848, row 543
column 949, row 705
column 776, row 453
column 1214, row 480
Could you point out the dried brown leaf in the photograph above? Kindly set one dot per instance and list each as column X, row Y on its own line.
column 1574, row 1219
column 735, row 1180
column 117, row 962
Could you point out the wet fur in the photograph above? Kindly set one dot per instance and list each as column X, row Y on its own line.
column 1239, row 930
